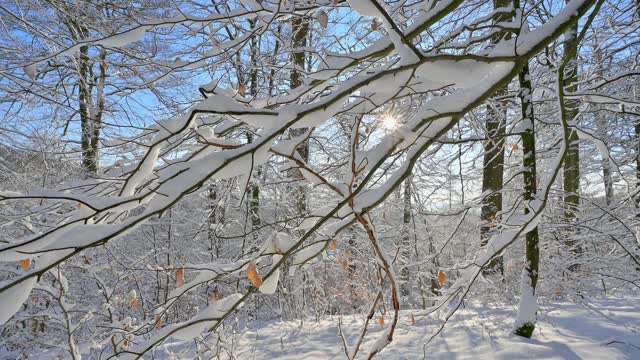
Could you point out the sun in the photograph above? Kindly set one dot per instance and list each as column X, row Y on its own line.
column 389, row 121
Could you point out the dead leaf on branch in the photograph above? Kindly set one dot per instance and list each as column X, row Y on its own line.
column 253, row 275
column 180, row 277
column 242, row 89
column 442, row 278
column 343, row 263
column 375, row 24
column 25, row 264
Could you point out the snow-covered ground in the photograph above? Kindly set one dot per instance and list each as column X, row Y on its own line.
column 606, row 329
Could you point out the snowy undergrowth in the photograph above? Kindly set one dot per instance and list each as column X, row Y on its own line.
column 605, row 329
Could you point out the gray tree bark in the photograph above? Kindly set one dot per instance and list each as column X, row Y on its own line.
column 571, row 169
column 493, row 163
column 300, row 28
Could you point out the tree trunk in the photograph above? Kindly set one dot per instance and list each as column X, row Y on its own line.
column 216, row 216
column 89, row 128
column 601, row 124
column 571, row 166
column 601, row 127
column 254, row 202
column 406, row 239
column 492, row 181
column 300, row 29
column 493, row 163
column 571, row 169
column 526, row 320
column 637, row 135
column 90, row 111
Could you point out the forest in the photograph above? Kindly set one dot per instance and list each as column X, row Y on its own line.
column 319, row 179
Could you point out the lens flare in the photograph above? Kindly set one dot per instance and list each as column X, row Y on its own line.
column 389, row 122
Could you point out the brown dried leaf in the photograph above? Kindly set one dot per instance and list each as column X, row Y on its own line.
column 158, row 321
column 134, row 303
column 375, row 24
column 242, row 89
column 252, row 274
column 343, row 263
column 180, row 277
column 381, row 321
column 442, row 277
column 25, row 264
column 333, row 244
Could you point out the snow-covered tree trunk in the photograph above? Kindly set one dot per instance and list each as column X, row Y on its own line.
column 254, row 188
column 636, row 133
column 300, row 29
column 526, row 318
column 570, row 110
column 90, row 109
column 493, row 160
column 571, row 169
column 406, row 238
